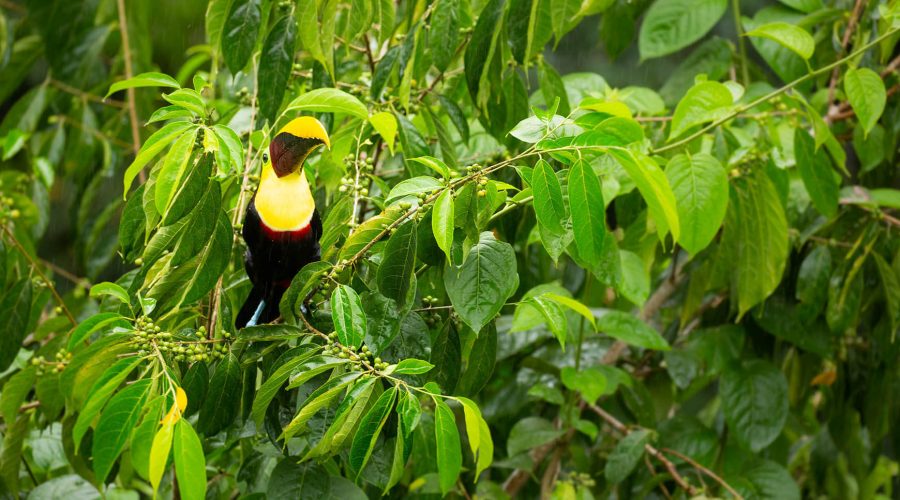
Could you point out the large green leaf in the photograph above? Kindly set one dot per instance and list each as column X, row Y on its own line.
column 275, row 64
column 154, row 145
column 755, row 402
column 589, row 219
column 671, row 25
column 449, row 452
column 442, row 222
column 756, row 237
column 815, row 169
column 479, row 287
column 631, row 330
column 270, row 388
column 397, row 268
column 444, row 33
column 481, row 49
column 174, row 171
column 116, row 423
column 369, row 429
column 626, row 455
column 223, row 398
column 190, row 462
column 99, row 395
column 348, row 316
column 240, row 33
column 550, row 210
column 328, row 100
column 794, row 38
column 865, row 91
column 700, row 186
column 704, row 102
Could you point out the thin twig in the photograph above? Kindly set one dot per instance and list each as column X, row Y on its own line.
column 37, row 269
column 775, row 93
column 848, row 32
column 67, row 274
column 132, row 107
column 96, row 133
column 712, row 475
column 85, row 95
column 650, row 449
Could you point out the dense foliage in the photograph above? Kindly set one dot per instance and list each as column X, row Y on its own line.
column 531, row 284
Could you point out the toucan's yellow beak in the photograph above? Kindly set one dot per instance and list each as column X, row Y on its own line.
column 294, row 143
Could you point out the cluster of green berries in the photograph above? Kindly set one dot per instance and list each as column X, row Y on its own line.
column 581, row 479
column 42, row 366
column 8, row 210
column 356, row 355
column 149, row 337
column 243, row 96
column 431, row 317
column 348, row 183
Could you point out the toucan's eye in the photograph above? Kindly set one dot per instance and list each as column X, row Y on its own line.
column 265, row 157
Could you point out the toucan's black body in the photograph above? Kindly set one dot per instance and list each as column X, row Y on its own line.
column 281, row 224
column 271, row 261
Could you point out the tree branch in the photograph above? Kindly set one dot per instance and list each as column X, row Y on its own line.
column 132, row 109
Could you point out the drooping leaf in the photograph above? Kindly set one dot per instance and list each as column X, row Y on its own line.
column 479, row 287
column 671, row 25
column 794, row 38
column 755, row 402
column 631, row 330
column 704, row 102
column 700, row 186
column 190, row 462
column 550, row 210
column 589, row 219
column 626, row 456
column 815, row 170
column 449, row 453
column 328, row 100
column 369, row 429
column 150, row 79
column 223, row 398
column 116, row 423
column 275, row 64
column 865, row 91
column 348, row 316
column 240, row 33
column 398, row 264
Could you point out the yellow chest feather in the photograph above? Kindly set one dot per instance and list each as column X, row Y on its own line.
column 284, row 203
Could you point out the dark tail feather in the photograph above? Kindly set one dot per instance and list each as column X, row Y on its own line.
column 259, row 308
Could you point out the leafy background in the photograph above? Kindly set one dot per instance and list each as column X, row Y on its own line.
column 572, row 249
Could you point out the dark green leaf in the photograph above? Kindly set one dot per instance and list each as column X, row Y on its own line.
column 671, row 25
column 444, row 33
column 240, row 33
column 631, row 330
column 755, row 402
column 223, row 399
column 275, row 64
column 369, row 429
column 398, row 264
column 626, row 456
column 348, row 316
column 115, row 426
column 449, row 453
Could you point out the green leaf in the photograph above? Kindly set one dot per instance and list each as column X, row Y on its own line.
column 449, row 453
column 756, row 237
column 635, row 282
column 397, row 267
column 865, row 91
column 159, row 454
column 478, row 288
column 529, row 433
column 712, row 58
column 275, row 63
column 564, row 16
column 755, row 402
column 442, row 219
column 704, row 102
column 479, row 435
column 150, row 79
column 480, row 52
column 443, row 37
column 367, row 231
column 631, row 330
column 412, row 366
column 815, row 169
column 625, row 457
column 270, row 388
column 317, row 400
column 190, row 463
column 385, row 123
column 479, row 363
column 154, row 145
column 552, row 86
column 111, row 289
column 890, row 283
column 15, row 389
column 574, row 305
column 348, row 316
column 174, row 171
column 216, row 14
column 812, row 279
column 240, row 33
column 671, row 25
column 794, row 38
column 223, row 399
column 328, row 100
column 369, row 429
column 188, row 99
column 115, row 426
column 413, row 186
column 99, row 395
column 434, row 164
column 550, row 210
column 589, row 382
column 700, row 186
column 588, row 218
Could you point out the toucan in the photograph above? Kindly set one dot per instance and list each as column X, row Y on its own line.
column 281, row 225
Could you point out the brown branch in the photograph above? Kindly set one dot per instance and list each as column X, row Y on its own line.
column 650, row 449
column 653, row 305
column 66, row 274
column 132, row 108
column 37, row 268
column 85, row 95
column 712, row 475
column 848, row 32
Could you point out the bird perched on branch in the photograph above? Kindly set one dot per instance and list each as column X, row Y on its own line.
column 281, row 226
